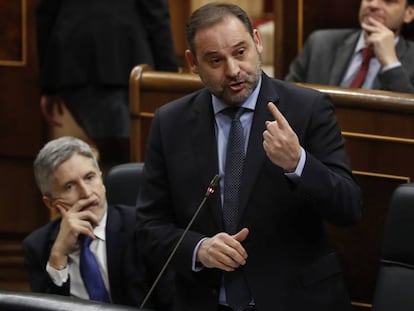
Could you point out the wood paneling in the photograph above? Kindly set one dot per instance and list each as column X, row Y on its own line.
column 21, row 135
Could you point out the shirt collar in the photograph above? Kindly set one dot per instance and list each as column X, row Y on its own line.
column 99, row 230
column 249, row 103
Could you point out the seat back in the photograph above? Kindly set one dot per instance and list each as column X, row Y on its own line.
column 395, row 282
column 122, row 183
column 27, row 301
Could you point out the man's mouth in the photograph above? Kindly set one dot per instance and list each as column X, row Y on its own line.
column 91, row 205
column 236, row 86
column 377, row 17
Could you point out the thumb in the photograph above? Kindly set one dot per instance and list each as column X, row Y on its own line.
column 241, row 235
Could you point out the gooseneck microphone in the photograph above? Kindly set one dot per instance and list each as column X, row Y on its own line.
column 210, row 189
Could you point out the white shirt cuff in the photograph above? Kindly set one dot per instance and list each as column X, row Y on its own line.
column 59, row 277
column 391, row 66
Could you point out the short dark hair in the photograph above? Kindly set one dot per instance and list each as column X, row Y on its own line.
column 410, row 2
column 211, row 14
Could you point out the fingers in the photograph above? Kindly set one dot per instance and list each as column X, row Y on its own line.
column 79, row 221
column 279, row 118
column 241, row 235
column 223, row 251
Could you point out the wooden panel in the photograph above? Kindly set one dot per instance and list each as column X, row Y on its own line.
column 20, row 119
column 22, row 132
column 12, row 51
column 379, row 130
column 179, row 15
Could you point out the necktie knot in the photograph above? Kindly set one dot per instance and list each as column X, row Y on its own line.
column 234, row 113
column 85, row 241
column 367, row 54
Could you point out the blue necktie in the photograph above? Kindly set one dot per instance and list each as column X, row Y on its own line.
column 90, row 273
column 237, row 291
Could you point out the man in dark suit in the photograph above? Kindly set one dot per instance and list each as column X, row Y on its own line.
column 296, row 176
column 70, row 181
column 87, row 50
column 333, row 56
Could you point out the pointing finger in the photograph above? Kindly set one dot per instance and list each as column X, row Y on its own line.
column 281, row 121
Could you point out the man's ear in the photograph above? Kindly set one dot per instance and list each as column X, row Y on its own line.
column 409, row 14
column 49, row 204
column 191, row 61
column 258, row 41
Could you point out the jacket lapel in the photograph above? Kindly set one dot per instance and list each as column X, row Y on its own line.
column 115, row 240
column 256, row 155
column 342, row 58
column 205, row 147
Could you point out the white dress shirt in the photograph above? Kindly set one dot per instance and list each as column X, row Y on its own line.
column 98, row 248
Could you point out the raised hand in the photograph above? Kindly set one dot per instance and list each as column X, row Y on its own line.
column 280, row 142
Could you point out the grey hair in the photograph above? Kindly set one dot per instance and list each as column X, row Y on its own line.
column 211, row 14
column 53, row 154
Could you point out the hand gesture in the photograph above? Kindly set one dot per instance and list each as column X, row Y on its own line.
column 223, row 251
column 75, row 221
column 280, row 142
column 381, row 40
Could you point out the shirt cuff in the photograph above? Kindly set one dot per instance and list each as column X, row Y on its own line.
column 391, row 66
column 195, row 265
column 59, row 277
column 295, row 176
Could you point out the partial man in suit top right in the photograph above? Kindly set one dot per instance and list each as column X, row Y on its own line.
column 334, row 56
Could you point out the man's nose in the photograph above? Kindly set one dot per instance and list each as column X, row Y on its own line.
column 232, row 68
column 85, row 189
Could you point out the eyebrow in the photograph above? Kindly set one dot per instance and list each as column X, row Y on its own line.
column 235, row 46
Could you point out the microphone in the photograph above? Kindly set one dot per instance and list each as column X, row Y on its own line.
column 210, row 190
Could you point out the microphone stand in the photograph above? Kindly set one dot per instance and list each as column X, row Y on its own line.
column 211, row 188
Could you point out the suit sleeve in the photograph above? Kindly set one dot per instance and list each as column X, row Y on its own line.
column 396, row 80
column 327, row 180
column 36, row 254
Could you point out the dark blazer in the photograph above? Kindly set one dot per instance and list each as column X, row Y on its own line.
column 99, row 41
column 291, row 264
column 126, row 274
column 326, row 55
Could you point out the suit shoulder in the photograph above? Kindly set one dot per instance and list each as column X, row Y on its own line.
column 185, row 101
column 331, row 34
column 40, row 235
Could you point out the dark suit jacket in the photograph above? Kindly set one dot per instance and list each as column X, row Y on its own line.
column 99, row 41
column 127, row 275
column 291, row 265
column 327, row 53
